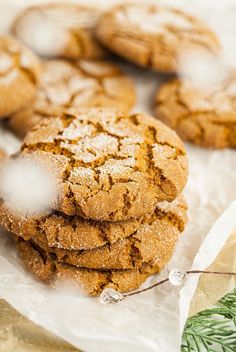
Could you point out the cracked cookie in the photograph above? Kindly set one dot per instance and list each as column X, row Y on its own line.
column 60, row 30
column 203, row 117
column 154, row 36
column 19, row 75
column 137, row 242
column 84, row 83
column 87, row 281
column 114, row 166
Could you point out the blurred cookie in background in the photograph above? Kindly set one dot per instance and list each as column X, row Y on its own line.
column 154, row 36
column 19, row 75
column 205, row 116
column 59, row 30
column 84, row 83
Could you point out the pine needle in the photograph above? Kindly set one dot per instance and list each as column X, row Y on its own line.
column 213, row 330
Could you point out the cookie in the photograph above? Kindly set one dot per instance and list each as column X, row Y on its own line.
column 19, row 75
column 87, row 281
column 59, row 30
column 148, row 245
column 58, row 230
column 155, row 235
column 116, row 166
column 84, row 83
column 203, row 117
column 154, row 36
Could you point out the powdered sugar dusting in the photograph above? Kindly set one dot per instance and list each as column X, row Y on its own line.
column 57, row 70
column 162, row 152
column 154, row 21
column 79, row 83
column 83, row 176
column 9, row 78
column 6, row 63
column 76, row 130
column 117, row 167
column 220, row 98
column 85, row 97
column 72, row 17
column 66, row 84
column 90, row 149
column 25, row 60
column 61, row 81
column 97, row 69
column 46, row 29
column 102, row 143
column 58, row 95
column 43, row 36
column 203, row 70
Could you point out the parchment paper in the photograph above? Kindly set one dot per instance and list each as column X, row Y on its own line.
column 152, row 321
column 210, row 289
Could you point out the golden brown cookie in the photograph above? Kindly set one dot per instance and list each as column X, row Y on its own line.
column 84, row 83
column 19, row 74
column 154, row 36
column 201, row 116
column 148, row 245
column 59, row 30
column 116, row 166
column 88, row 281
column 148, row 241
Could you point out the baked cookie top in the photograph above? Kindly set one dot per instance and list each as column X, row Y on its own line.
column 59, row 30
column 114, row 166
column 19, row 75
column 102, row 245
column 84, row 83
column 87, row 281
column 201, row 116
column 154, row 36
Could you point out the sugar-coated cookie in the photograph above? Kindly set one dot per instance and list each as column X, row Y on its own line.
column 127, row 244
column 87, row 281
column 154, row 36
column 59, row 30
column 19, row 75
column 114, row 166
column 201, row 116
column 84, row 83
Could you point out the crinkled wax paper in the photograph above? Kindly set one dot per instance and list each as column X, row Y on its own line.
column 152, row 321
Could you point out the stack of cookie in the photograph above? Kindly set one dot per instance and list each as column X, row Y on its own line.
column 120, row 211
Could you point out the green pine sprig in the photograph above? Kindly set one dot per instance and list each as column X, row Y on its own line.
column 213, row 330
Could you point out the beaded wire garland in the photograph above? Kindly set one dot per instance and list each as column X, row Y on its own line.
column 176, row 278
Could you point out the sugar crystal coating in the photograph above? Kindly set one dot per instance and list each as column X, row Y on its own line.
column 128, row 174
